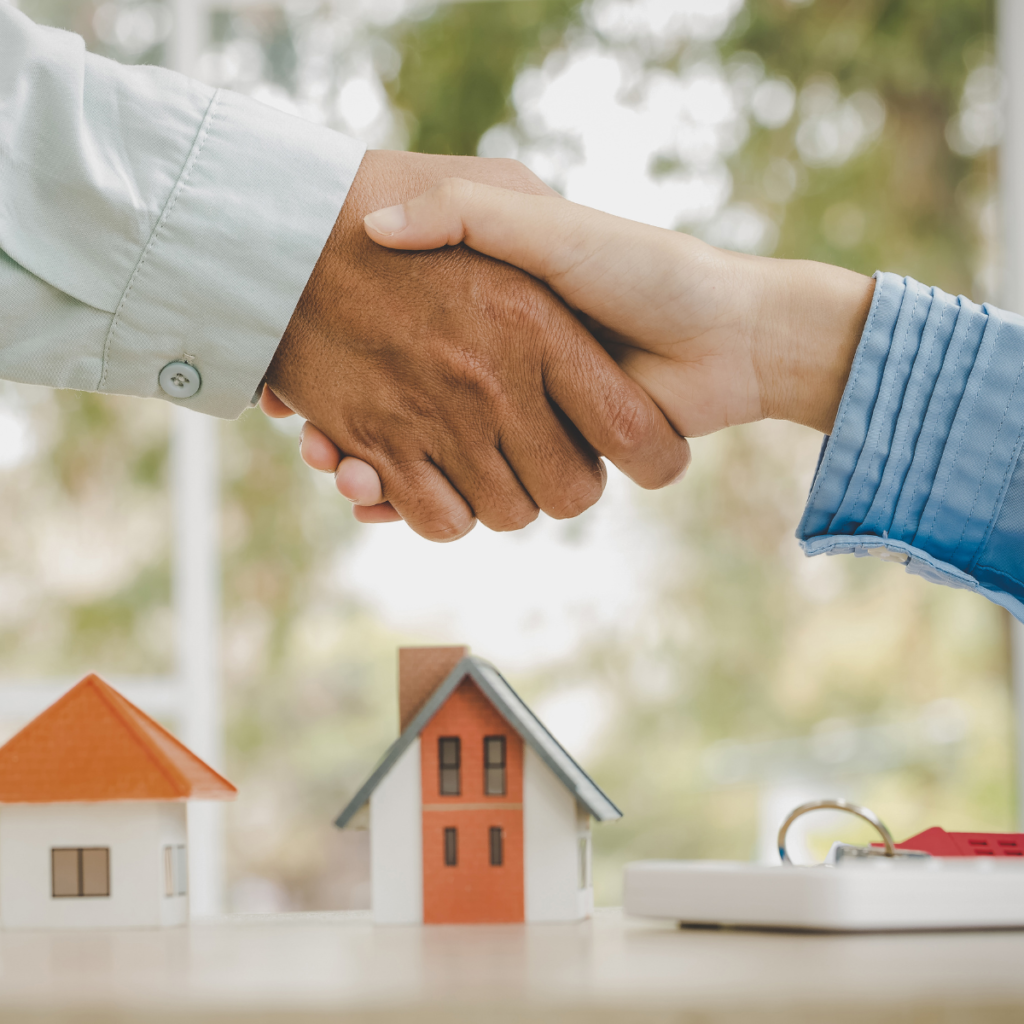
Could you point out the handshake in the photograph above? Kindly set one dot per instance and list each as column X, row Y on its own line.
column 442, row 387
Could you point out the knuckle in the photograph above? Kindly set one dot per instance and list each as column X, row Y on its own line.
column 457, row 188
column 525, row 306
column 452, row 191
column 629, row 423
column 576, row 500
column 510, row 303
column 475, row 373
column 437, row 514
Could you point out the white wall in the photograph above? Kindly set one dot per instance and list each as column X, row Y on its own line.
column 552, row 827
column 135, row 832
column 396, row 843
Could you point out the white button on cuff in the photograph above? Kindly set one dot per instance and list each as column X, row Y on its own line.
column 180, row 380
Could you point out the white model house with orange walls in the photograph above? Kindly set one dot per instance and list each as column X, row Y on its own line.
column 93, row 832
column 476, row 812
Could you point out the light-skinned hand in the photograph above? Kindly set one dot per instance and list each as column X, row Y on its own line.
column 468, row 389
column 715, row 337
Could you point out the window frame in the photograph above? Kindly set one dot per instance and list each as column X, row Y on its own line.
column 583, row 869
column 455, row 743
column 181, row 869
column 451, row 846
column 175, row 870
column 79, row 852
column 496, row 846
column 501, row 766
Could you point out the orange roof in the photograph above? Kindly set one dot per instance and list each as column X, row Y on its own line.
column 92, row 744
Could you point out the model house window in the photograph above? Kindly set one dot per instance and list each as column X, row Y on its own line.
column 181, row 881
column 584, row 862
column 449, row 751
column 80, row 871
column 451, row 847
column 175, row 871
column 494, row 765
column 497, row 848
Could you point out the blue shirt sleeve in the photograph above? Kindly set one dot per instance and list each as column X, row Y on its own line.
column 923, row 466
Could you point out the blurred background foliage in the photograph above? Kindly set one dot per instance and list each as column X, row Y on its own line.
column 915, row 202
column 747, row 678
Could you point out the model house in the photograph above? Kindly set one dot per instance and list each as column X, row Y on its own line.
column 476, row 813
column 93, row 831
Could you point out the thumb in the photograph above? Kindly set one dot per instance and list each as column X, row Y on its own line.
column 538, row 234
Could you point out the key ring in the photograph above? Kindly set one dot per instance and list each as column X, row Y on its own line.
column 838, row 805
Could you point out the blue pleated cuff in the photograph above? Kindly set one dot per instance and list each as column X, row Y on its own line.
column 920, row 465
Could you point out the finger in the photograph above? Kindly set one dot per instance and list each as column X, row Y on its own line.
column 561, row 472
column 358, row 481
column 318, row 451
column 417, row 490
column 671, row 386
column 547, row 236
column 491, row 488
column 376, row 513
column 421, row 494
column 355, row 479
column 272, row 406
column 613, row 413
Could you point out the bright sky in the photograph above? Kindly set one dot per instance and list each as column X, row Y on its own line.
column 15, row 440
column 520, row 599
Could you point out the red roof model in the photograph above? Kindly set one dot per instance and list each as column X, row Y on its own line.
column 94, row 745
column 93, row 822
column 940, row 843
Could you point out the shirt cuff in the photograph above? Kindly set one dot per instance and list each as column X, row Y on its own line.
column 231, row 254
column 926, row 439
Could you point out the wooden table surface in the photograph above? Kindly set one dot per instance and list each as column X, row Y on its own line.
column 339, row 967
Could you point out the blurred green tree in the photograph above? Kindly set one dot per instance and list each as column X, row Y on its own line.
column 459, row 66
column 747, row 643
column 910, row 202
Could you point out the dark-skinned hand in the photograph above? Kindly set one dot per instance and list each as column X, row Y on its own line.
column 469, row 388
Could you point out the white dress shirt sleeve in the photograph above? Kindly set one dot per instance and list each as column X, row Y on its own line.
column 147, row 219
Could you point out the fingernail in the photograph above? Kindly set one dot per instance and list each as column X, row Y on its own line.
column 388, row 221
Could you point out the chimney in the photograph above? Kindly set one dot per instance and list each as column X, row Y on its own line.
column 421, row 670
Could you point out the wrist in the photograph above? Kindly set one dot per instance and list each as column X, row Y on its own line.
column 810, row 317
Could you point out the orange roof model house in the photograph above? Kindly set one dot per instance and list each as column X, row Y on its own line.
column 93, row 829
column 476, row 813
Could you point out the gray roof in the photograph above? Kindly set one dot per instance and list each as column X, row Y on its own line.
column 511, row 707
